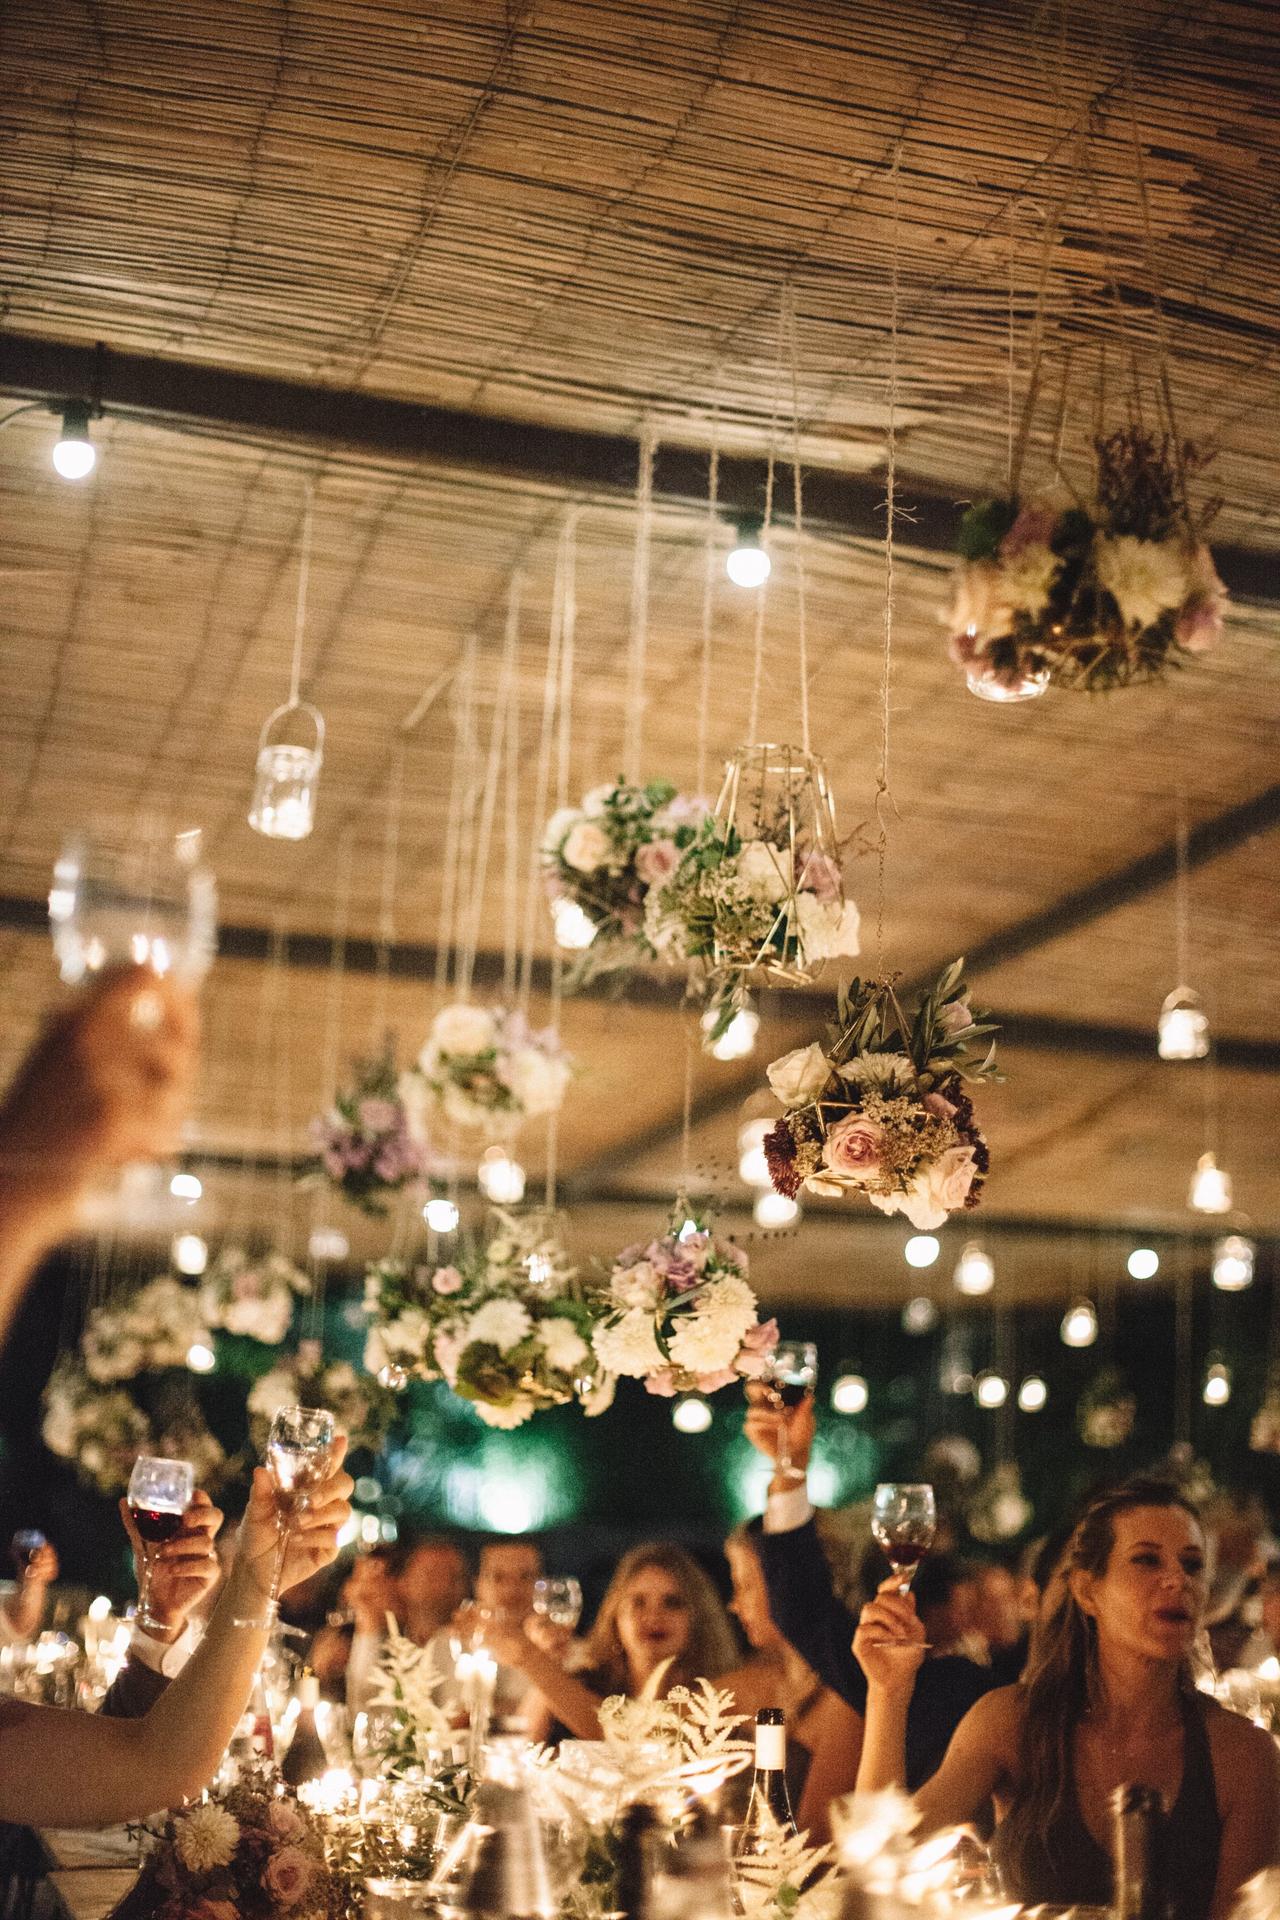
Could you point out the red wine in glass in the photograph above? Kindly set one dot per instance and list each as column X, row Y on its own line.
column 904, row 1519
column 159, row 1494
column 156, row 1524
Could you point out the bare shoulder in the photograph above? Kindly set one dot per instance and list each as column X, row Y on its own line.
column 996, row 1720
column 1246, row 1761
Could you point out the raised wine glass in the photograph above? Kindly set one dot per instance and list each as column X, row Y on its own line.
column 558, row 1599
column 132, row 891
column 24, row 1546
column 298, row 1457
column 790, row 1373
column 904, row 1519
column 159, row 1494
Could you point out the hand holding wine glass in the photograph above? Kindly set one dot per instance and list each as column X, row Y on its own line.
column 184, row 1569
column 558, row 1600
column 789, row 1377
column 160, row 1492
column 297, row 1503
column 904, row 1519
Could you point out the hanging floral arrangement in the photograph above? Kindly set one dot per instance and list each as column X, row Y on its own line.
column 362, row 1407
column 759, row 889
column 486, row 1070
column 101, row 1430
column 508, row 1327
column 371, row 1145
column 151, row 1331
column 881, row 1108
column 1093, row 596
column 1000, row 1510
column 1106, row 1410
column 252, row 1295
column 680, row 1314
column 602, row 858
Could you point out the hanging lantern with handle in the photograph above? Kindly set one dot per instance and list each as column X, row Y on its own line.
column 288, row 772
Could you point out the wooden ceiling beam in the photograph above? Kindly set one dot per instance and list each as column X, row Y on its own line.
column 182, row 393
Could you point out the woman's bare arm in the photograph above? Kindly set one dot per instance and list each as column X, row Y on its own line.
column 563, row 1692
column 832, row 1730
column 1246, row 1769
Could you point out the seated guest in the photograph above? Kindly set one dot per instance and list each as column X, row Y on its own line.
column 184, row 1572
column 824, row 1734
column 506, row 1575
column 23, row 1608
column 659, row 1607
column 421, row 1584
column 1108, row 1698
column 818, row 1624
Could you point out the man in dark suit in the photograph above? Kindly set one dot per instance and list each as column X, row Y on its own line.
column 811, row 1616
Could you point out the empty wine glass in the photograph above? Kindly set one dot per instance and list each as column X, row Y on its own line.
column 790, row 1373
column 159, row 1494
column 299, row 1459
column 904, row 1519
column 558, row 1599
column 132, row 891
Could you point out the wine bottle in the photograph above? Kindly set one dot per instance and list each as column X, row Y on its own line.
column 305, row 1758
column 634, row 1893
column 1138, row 1815
column 769, row 1808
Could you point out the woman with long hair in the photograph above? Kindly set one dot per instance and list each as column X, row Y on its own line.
column 659, row 1606
column 1108, row 1698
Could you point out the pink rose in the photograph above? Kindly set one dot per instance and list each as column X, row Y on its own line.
column 446, row 1280
column 289, row 1873
column 757, row 1344
column 657, row 861
column 852, row 1147
column 938, row 1105
column 663, row 1383
column 821, row 875
column 284, row 1820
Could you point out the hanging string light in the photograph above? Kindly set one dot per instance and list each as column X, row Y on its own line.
column 1210, row 1187
column 1079, row 1324
column 775, row 1209
column 291, row 745
column 919, row 1316
column 738, row 1038
column 1217, row 1384
column 747, row 563
column 1033, row 1394
column 975, row 1270
column 1183, row 1028
column 753, row 1168
column 921, row 1250
column 74, row 456
column 990, row 1390
column 1233, row 1263
column 1143, row 1264
column 501, row 1178
column 850, row 1393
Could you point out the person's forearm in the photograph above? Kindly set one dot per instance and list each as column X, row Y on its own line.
column 884, row 1742
column 566, row 1696
column 25, row 1608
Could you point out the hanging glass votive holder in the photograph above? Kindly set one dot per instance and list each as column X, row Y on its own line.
column 776, row 805
column 288, row 773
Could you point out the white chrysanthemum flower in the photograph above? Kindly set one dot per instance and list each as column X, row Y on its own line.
column 888, row 1071
column 1027, row 577
column 499, row 1323
column 628, row 1346
column 206, row 1837
column 1145, row 578
column 764, row 871
column 705, row 1342
column 563, row 1345
column 513, row 1415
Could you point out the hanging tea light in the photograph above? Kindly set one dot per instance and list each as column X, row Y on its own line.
column 975, row 1270
column 738, row 1038
column 919, row 1315
column 1079, row 1324
column 1183, row 1028
column 1210, row 1187
column 500, row 1177
column 988, row 684
column 850, row 1394
column 775, row 1209
column 990, row 1390
column 291, row 744
column 1217, row 1384
column 1233, row 1263
column 747, row 564
column 1033, row 1394
column 921, row 1250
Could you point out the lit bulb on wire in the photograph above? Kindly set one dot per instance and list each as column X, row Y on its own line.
column 738, row 1038
column 574, row 928
column 850, row 1393
column 775, row 1209
column 1079, row 1324
column 975, row 1270
column 1182, row 1032
column 991, row 1390
column 1233, row 1263
column 500, row 1177
column 1217, row 1384
column 74, row 456
column 1033, row 1394
column 1210, row 1187
column 747, row 564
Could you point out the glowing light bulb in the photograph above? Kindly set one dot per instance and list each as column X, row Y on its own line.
column 328, row 1243
column 200, row 1358
column 186, row 1186
column 747, row 564
column 540, row 1271
column 990, row 1390
column 850, row 1393
column 691, row 1414
column 574, row 929
column 919, row 1315
column 1143, row 1263
column 1183, row 1027
column 975, row 1270
column 1079, row 1324
column 1233, row 1263
column 73, row 454
column 921, row 1250
column 501, row 1177
column 738, row 1038
column 190, row 1254
column 753, row 1168
column 1032, row 1394
column 440, row 1215
column 1217, row 1385
column 1210, row 1187
column 775, row 1209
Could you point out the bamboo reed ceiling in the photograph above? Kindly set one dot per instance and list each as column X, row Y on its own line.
column 582, row 215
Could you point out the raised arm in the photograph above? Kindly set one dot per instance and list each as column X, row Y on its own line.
column 61, row 1769
column 569, row 1701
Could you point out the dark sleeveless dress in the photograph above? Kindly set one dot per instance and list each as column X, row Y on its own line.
column 1063, row 1865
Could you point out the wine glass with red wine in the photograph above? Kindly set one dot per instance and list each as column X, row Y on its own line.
column 159, row 1494
column 790, row 1373
column 299, row 1458
column 904, row 1519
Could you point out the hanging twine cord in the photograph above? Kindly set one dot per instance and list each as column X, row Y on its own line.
column 300, row 607
column 797, row 484
column 709, row 573
column 511, row 842
column 489, row 796
column 450, row 883
column 884, row 799
column 387, row 900
column 633, row 729
column 1181, row 894
column 567, row 572
column 542, row 774
column 762, row 591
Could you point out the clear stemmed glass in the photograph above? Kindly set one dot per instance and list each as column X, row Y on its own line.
column 24, row 1546
column 904, row 1519
column 558, row 1599
column 790, row 1373
column 298, row 1458
column 132, row 891
column 159, row 1494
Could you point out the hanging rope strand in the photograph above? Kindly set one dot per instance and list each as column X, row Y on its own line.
column 387, row 900
column 511, row 840
column 300, row 608
column 757, row 664
column 883, row 796
column 708, row 595
column 489, row 797
column 568, row 634
column 633, row 728
column 797, row 485
column 542, row 777
column 451, row 879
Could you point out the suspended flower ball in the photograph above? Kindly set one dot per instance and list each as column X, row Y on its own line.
column 1094, row 599
column 252, row 1296
column 102, row 1430
column 1000, row 1510
column 1106, row 1411
column 507, row 1327
column 372, row 1144
column 601, row 858
column 362, row 1407
column 679, row 1314
column 882, row 1109
column 486, row 1070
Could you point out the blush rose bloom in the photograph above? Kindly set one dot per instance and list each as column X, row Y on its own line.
column 446, row 1280
column 936, row 1191
column 852, row 1148
column 586, row 847
column 657, row 861
column 289, row 1873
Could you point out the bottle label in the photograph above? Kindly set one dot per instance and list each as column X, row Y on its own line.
column 771, row 1748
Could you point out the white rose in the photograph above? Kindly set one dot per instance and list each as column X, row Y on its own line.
column 764, row 871
column 462, row 1029
column 586, row 847
column 537, row 1079
column 628, row 1346
column 916, row 1203
column 638, row 1286
column 596, row 799
column 557, row 827
column 563, row 1345
column 799, row 1076
column 499, row 1323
